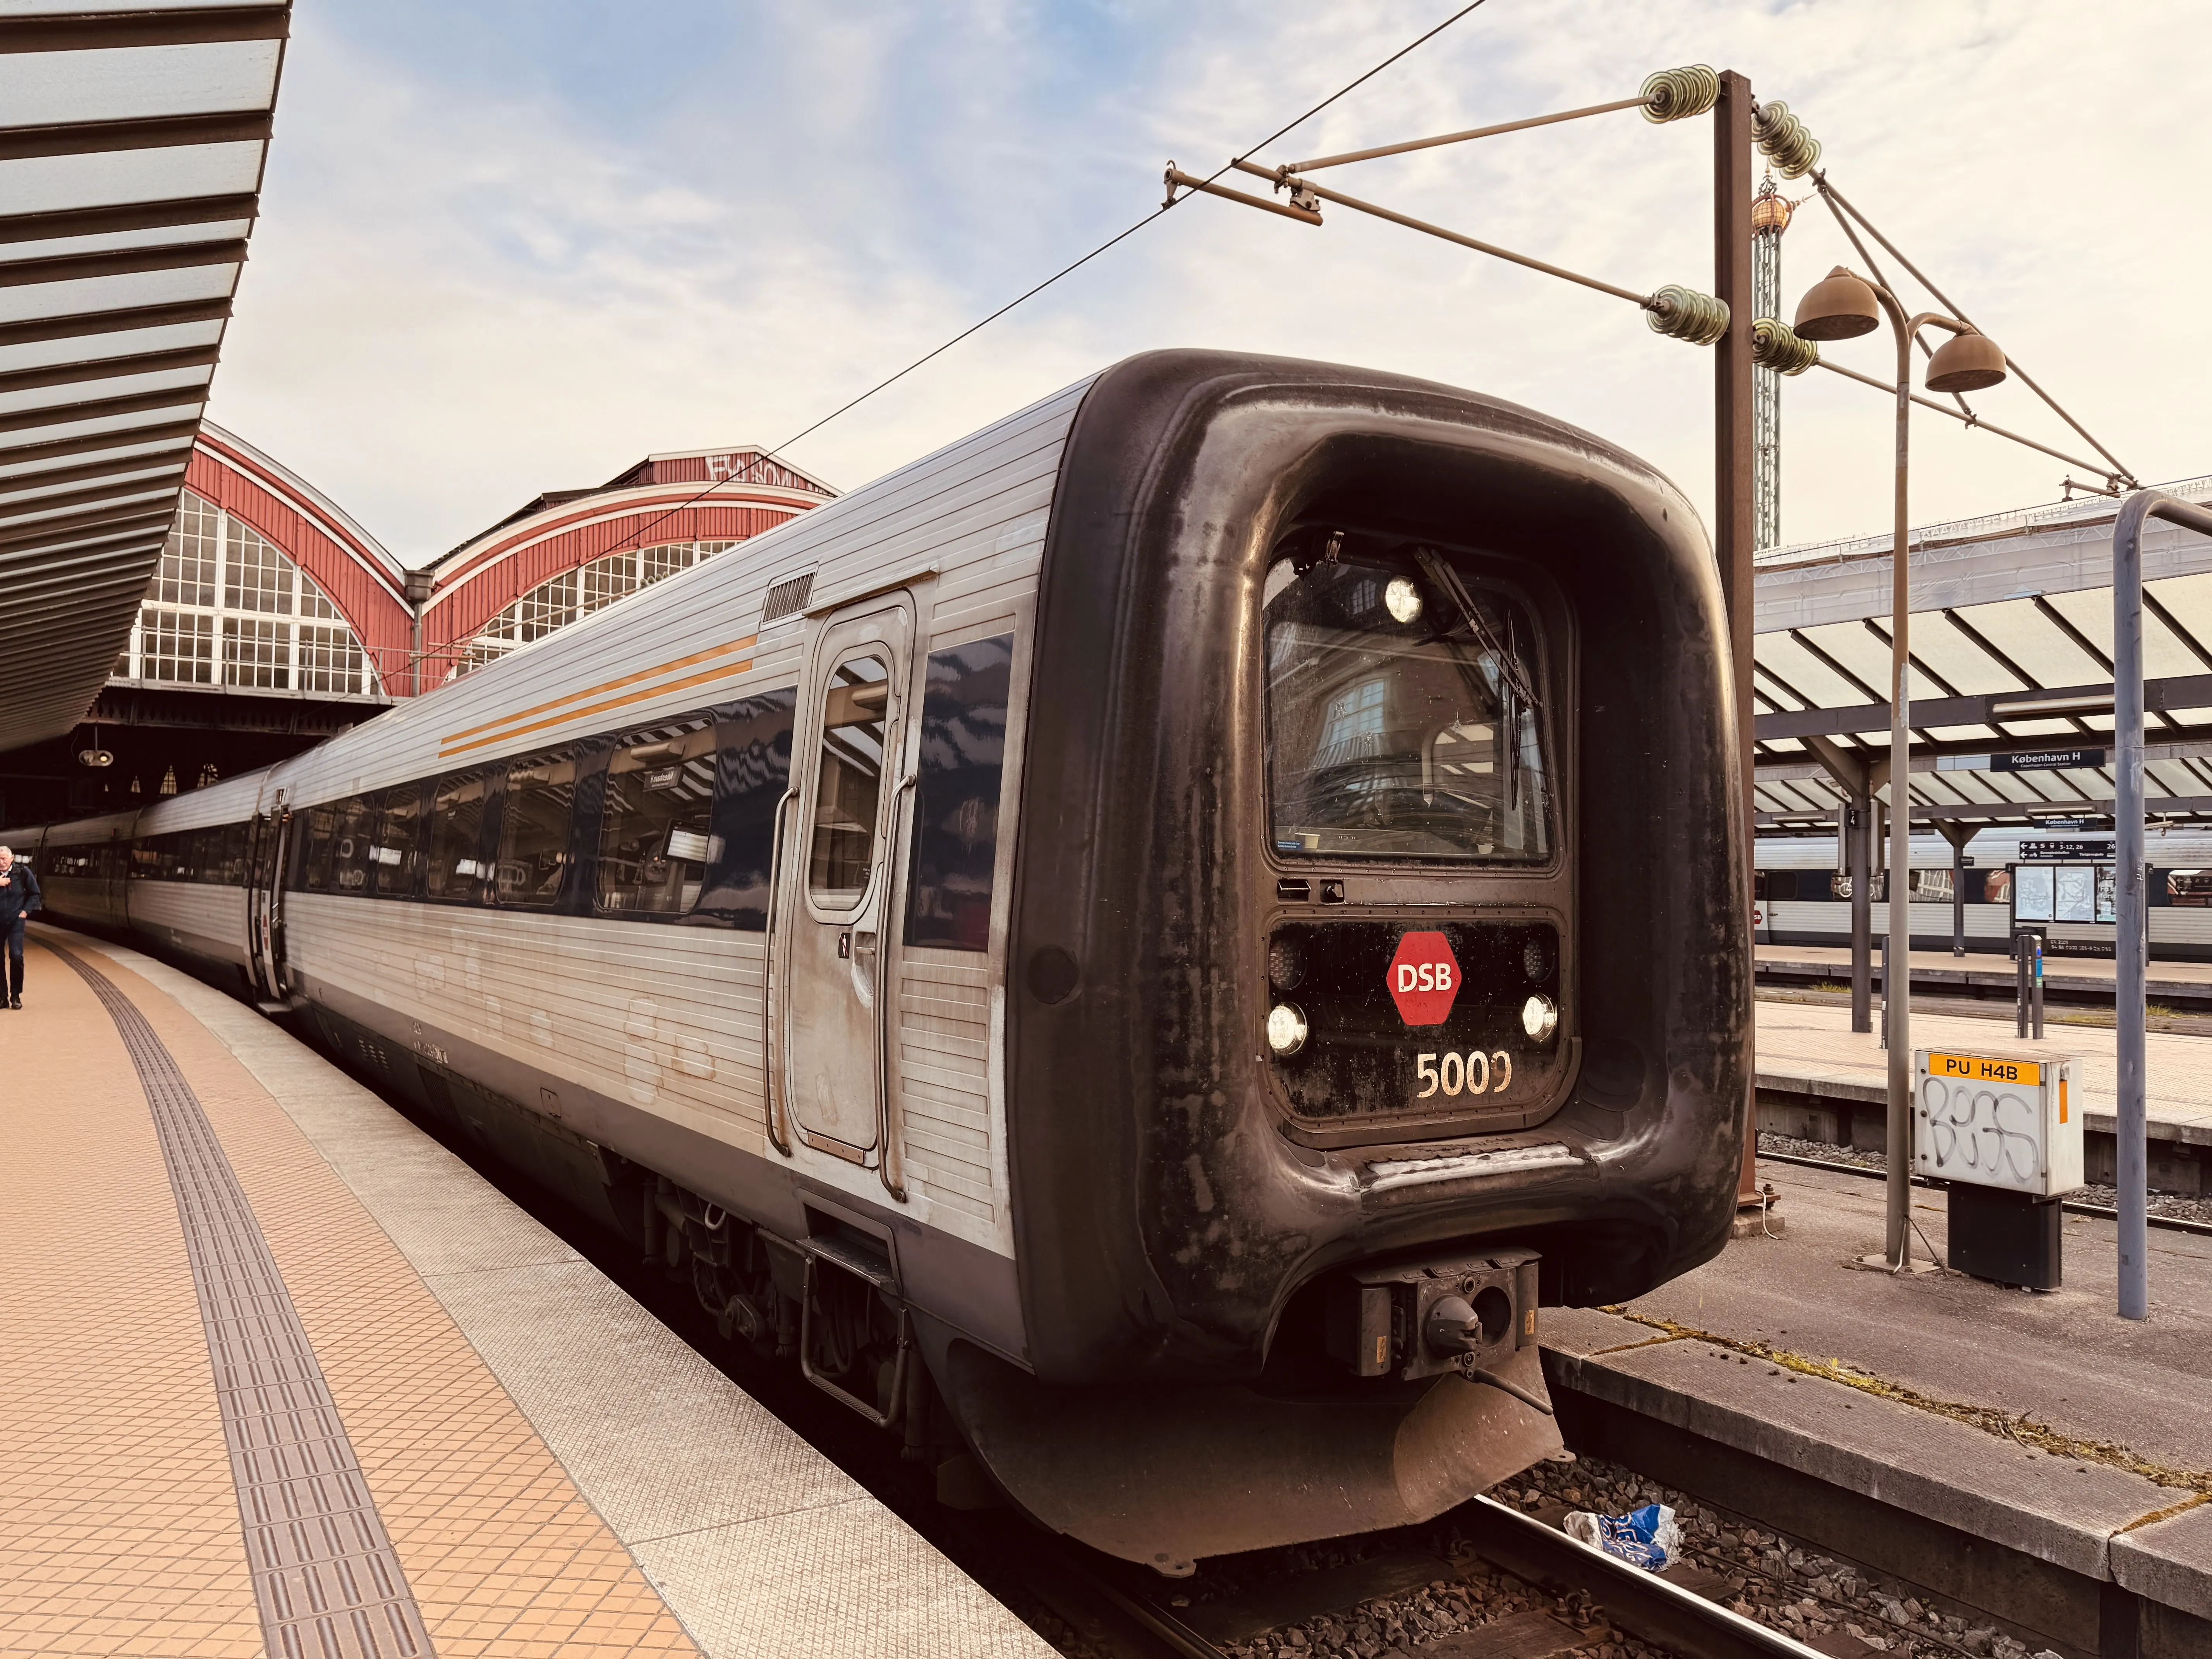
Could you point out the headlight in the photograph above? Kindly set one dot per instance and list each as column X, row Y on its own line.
column 1539, row 1017
column 1286, row 1028
column 1402, row 599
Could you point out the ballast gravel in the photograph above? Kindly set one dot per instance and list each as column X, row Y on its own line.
column 1780, row 1582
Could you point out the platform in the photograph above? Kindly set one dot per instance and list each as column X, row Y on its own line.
column 1813, row 1070
column 279, row 1374
column 2041, row 1424
column 1983, row 970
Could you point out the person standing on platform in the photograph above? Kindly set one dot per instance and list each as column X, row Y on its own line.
column 18, row 899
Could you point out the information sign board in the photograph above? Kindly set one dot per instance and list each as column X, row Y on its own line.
column 2047, row 760
column 2003, row 1121
column 2051, row 851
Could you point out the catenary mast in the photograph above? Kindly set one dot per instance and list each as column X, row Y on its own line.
column 1770, row 217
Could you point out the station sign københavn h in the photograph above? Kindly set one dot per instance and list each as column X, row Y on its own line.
column 2047, row 760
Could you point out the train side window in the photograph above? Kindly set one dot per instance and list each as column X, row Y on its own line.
column 956, row 804
column 395, row 854
column 656, row 832
column 316, row 831
column 752, row 771
column 848, row 790
column 231, row 867
column 457, row 867
column 533, row 831
column 350, row 844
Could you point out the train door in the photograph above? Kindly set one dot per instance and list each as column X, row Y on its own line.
column 837, row 891
column 265, row 897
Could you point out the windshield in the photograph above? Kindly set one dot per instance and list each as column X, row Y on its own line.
column 1405, row 716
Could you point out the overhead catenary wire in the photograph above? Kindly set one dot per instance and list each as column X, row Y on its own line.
column 1974, row 420
column 1410, row 145
column 1066, row 271
column 1673, row 94
column 1300, row 185
column 1682, row 314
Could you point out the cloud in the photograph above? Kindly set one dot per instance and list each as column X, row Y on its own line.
column 515, row 247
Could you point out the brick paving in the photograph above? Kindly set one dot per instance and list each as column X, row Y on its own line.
column 120, row 1529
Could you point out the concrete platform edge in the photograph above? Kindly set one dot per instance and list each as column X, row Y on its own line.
column 1815, row 1087
column 1898, row 1455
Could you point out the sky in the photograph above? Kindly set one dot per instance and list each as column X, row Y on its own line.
column 516, row 245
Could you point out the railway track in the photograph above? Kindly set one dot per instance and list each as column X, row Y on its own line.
column 2104, row 1211
column 1554, row 1596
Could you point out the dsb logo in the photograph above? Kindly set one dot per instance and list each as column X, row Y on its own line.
column 1424, row 979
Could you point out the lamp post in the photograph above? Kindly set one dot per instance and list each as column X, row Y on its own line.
column 1842, row 306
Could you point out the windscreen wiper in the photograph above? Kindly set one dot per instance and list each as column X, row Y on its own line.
column 1445, row 580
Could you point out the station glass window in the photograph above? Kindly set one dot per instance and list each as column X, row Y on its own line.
column 849, row 788
column 574, row 594
column 956, row 803
column 752, row 772
column 177, row 645
column 656, row 829
column 255, row 651
column 533, row 831
column 395, row 854
column 227, row 605
column 1405, row 712
column 457, row 868
column 186, row 574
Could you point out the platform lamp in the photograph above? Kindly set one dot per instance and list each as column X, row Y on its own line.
column 1842, row 306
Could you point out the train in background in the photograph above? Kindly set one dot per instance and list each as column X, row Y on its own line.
column 1799, row 897
column 1137, row 950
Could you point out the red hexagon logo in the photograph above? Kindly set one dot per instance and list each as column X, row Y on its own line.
column 1424, row 979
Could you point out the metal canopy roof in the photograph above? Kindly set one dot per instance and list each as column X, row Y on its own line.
column 132, row 137
column 2011, row 639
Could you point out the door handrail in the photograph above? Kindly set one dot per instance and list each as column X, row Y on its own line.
column 768, row 966
column 890, row 1165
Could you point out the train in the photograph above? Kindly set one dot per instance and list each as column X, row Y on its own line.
column 1138, row 951
column 1801, row 896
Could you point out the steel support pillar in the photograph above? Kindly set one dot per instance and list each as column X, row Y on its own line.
column 1735, row 464
column 2132, row 945
column 1958, row 835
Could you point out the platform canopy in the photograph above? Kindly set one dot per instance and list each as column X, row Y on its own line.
column 2011, row 636
column 132, row 141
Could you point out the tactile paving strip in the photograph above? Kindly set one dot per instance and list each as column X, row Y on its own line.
column 328, row 1582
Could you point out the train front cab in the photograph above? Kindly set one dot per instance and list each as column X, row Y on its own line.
column 1376, row 968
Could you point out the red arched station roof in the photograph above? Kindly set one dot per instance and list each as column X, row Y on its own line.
column 719, row 495
column 367, row 583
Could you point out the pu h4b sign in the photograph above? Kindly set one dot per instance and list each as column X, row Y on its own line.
column 1424, row 979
